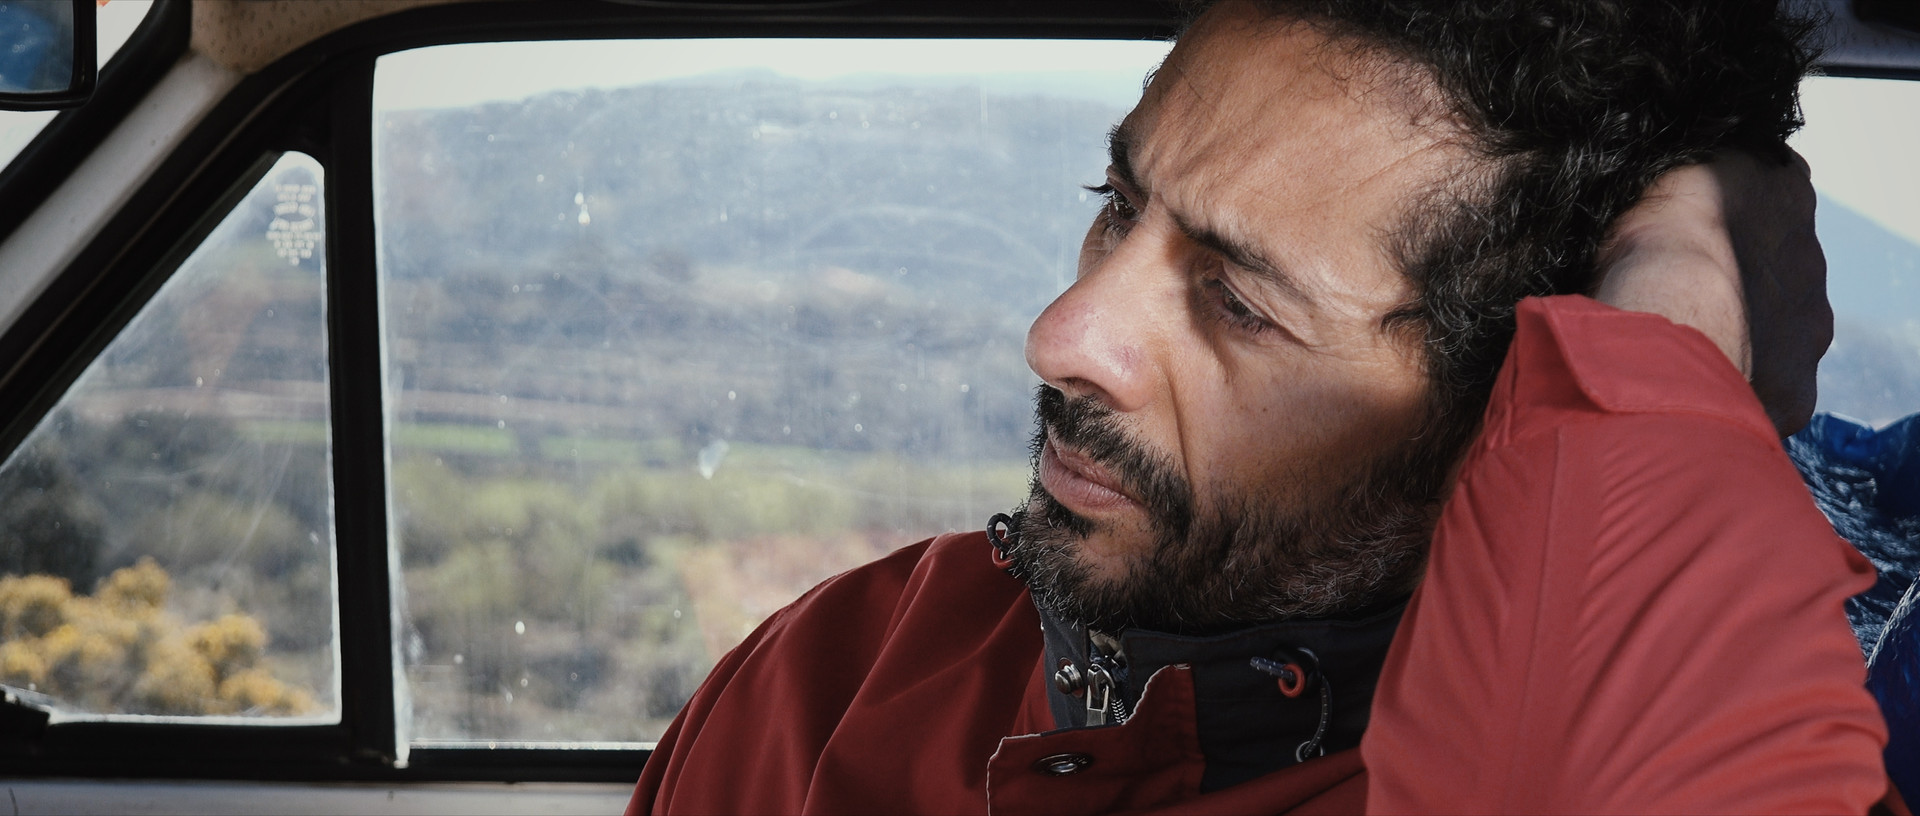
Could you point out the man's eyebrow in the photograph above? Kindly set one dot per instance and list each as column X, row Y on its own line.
column 1246, row 257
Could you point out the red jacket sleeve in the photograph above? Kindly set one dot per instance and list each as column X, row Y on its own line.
column 1632, row 604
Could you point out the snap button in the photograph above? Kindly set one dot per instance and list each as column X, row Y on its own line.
column 1062, row 764
column 1069, row 679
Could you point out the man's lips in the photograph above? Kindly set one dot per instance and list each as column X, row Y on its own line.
column 1079, row 482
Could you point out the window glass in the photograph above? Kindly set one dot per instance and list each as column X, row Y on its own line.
column 166, row 547
column 677, row 329
column 114, row 22
column 1858, row 140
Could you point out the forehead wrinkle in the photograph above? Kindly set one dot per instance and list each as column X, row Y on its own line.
column 1425, row 163
column 1435, row 152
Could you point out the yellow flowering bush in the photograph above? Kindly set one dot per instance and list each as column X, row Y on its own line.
column 120, row 651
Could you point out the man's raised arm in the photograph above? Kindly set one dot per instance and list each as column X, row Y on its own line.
column 1632, row 604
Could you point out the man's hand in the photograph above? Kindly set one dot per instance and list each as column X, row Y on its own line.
column 1728, row 248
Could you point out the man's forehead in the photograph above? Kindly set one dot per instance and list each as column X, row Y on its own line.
column 1256, row 120
column 1243, row 79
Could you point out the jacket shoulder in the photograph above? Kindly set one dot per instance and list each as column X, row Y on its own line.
column 948, row 564
column 931, row 634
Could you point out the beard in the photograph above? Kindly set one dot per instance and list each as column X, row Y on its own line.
column 1230, row 558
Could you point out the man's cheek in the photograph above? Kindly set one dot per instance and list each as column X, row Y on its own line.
column 1313, row 435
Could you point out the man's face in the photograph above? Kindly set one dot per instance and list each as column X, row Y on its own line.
column 1225, row 414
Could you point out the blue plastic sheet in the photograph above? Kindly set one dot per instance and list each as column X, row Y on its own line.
column 1867, row 481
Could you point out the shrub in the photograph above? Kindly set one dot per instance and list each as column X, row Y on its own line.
column 120, row 651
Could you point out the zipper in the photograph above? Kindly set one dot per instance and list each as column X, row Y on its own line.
column 1098, row 685
column 1106, row 703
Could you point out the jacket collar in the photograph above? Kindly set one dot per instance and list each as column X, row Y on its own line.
column 1247, row 726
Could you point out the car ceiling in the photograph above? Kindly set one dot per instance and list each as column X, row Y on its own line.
column 248, row 35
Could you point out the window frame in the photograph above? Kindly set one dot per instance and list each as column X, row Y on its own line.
column 319, row 100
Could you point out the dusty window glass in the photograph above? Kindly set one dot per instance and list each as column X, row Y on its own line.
column 678, row 329
column 113, row 24
column 166, row 543
column 1858, row 140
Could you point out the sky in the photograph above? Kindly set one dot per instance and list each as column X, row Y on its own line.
column 1860, row 140
column 461, row 75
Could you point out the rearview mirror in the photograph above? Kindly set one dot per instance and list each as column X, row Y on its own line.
column 46, row 53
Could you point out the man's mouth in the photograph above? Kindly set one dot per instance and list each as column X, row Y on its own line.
column 1079, row 482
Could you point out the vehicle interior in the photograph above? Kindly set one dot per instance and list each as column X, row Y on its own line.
column 404, row 403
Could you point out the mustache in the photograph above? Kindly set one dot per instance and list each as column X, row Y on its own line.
column 1088, row 426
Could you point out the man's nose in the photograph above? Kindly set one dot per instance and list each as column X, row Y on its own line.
column 1102, row 336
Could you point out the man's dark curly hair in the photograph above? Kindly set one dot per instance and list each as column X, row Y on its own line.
column 1574, row 106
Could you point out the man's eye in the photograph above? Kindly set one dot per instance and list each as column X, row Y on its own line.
column 1232, row 309
column 1118, row 212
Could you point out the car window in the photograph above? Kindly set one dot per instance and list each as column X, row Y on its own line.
column 115, row 21
column 677, row 329
column 1858, row 141
column 166, row 546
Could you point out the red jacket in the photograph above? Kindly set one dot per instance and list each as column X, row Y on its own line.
column 1632, row 605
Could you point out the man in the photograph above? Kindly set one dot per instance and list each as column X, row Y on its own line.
column 1254, row 447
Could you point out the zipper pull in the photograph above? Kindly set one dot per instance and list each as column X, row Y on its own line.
column 1099, row 694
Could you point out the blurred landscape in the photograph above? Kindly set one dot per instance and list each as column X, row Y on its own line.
column 684, row 350
column 188, row 462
